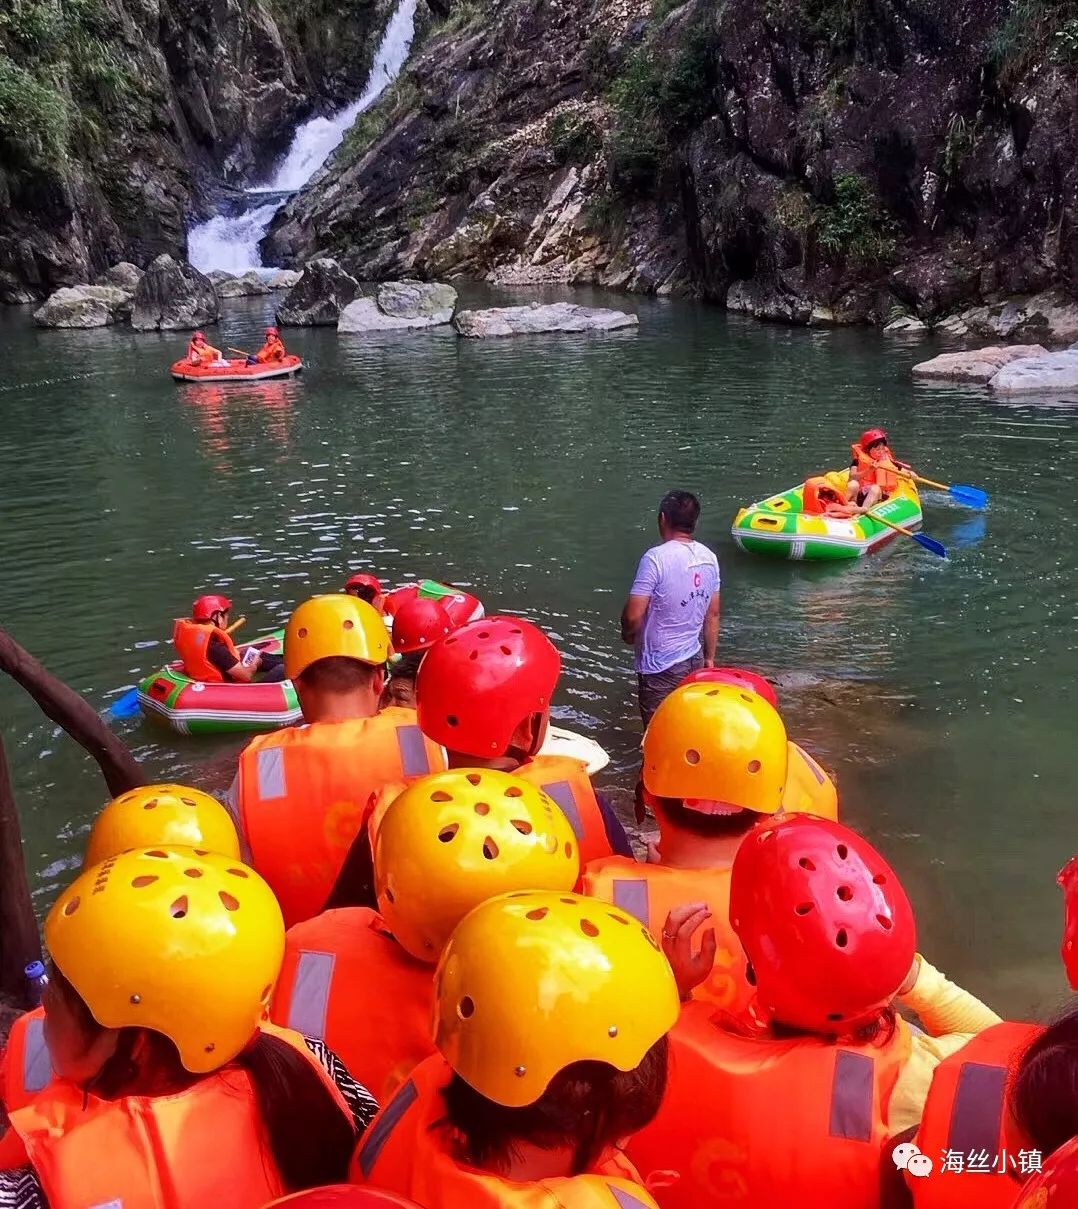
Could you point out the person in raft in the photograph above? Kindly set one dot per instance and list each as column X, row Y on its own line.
column 418, row 626
column 525, row 1105
column 804, row 1091
column 199, row 352
column 874, row 471
column 825, row 495
column 272, row 349
column 363, row 980
column 208, row 652
column 366, row 587
column 164, row 1074
column 672, row 614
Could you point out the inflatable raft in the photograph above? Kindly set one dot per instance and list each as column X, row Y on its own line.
column 196, row 708
column 235, row 371
column 777, row 528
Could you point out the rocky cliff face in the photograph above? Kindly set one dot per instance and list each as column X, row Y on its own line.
column 843, row 160
column 120, row 119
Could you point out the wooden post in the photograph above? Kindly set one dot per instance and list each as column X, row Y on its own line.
column 19, row 940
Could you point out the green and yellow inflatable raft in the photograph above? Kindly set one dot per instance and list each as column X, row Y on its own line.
column 777, row 528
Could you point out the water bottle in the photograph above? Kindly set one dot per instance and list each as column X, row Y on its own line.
column 36, row 981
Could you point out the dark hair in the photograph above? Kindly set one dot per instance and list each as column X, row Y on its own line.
column 589, row 1106
column 407, row 666
column 707, row 826
column 354, row 886
column 1044, row 1094
column 681, row 509
column 364, row 592
column 878, row 1031
column 310, row 1137
column 339, row 674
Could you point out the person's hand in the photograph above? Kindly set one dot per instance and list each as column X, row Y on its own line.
column 709, row 662
column 911, row 977
column 655, row 856
column 691, row 967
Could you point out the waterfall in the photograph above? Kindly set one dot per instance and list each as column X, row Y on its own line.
column 230, row 242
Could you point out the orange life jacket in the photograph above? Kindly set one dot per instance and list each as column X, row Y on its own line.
column 302, row 795
column 202, row 354
column 272, row 350
column 809, row 790
column 649, row 892
column 346, row 981
column 26, row 1067
column 965, row 1113
column 566, row 781
column 205, row 1145
column 759, row 1122
column 409, row 1149
column 192, row 641
column 871, row 473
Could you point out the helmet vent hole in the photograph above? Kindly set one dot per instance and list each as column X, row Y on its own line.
column 569, row 851
column 514, row 791
column 516, row 631
column 588, row 928
column 750, row 975
column 150, row 805
column 746, row 697
column 348, row 624
column 834, row 1017
column 440, row 795
column 841, row 938
column 538, row 913
column 71, row 907
column 452, row 720
column 753, row 766
column 884, row 922
column 619, row 919
column 185, row 801
column 157, row 854
column 301, row 632
column 569, row 902
column 803, row 908
column 228, row 901
column 473, row 655
column 842, row 851
column 712, row 693
column 484, row 633
column 805, row 863
column 522, row 825
column 178, row 909
column 390, row 896
column 692, row 756
column 192, row 873
column 448, row 833
column 505, row 650
column 474, row 778
column 845, row 893
column 239, row 873
column 490, row 849
column 140, row 883
column 482, row 808
column 879, row 880
column 466, row 1008
column 201, row 851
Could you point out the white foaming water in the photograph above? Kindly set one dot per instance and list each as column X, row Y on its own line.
column 231, row 242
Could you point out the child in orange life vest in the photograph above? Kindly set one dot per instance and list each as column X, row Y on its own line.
column 165, row 1075
column 804, row 1092
column 272, row 349
column 199, row 352
column 716, row 762
column 526, row 1106
column 875, row 471
column 363, row 981
column 821, row 497
column 205, row 646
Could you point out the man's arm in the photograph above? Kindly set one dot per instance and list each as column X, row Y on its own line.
column 632, row 618
column 221, row 658
column 711, row 631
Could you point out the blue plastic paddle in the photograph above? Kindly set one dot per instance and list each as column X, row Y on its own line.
column 928, row 543
column 126, row 706
column 972, row 497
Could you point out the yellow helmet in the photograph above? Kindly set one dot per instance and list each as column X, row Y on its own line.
column 452, row 840
column 336, row 625
column 533, row 981
column 170, row 815
column 837, row 480
column 717, row 743
column 186, row 944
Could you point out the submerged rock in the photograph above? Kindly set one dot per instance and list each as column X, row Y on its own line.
column 906, row 325
column 125, row 274
column 399, row 306
column 318, row 298
column 526, row 320
column 84, row 306
column 1050, row 374
column 174, row 297
column 976, row 365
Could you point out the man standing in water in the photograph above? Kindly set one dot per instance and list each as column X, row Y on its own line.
column 672, row 614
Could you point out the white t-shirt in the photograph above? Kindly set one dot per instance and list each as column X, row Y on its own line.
column 680, row 578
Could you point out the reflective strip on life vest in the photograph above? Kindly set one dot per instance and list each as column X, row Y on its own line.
column 269, row 768
column 413, row 749
column 625, row 1199
column 109, row 1205
column 978, row 1108
column 387, row 1121
column 851, row 1096
column 36, row 1063
column 562, row 793
column 631, row 895
column 309, row 1004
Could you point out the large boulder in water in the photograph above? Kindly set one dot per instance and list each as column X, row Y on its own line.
column 174, row 297
column 400, row 305
column 1047, row 375
column 249, row 285
column 284, row 279
column 555, row 317
column 125, row 274
column 976, row 365
column 319, row 297
column 83, row 306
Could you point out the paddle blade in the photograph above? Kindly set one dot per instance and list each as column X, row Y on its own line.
column 126, row 706
column 930, row 544
column 972, row 497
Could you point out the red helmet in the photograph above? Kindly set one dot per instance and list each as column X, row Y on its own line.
column 205, row 607
column 199, row 336
column 1055, row 1186
column 362, row 580
column 419, row 624
column 740, row 676
column 870, row 436
column 345, row 1196
column 477, row 686
column 272, row 331
column 1068, row 879
column 824, row 922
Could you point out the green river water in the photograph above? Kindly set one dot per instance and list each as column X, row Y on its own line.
column 531, row 469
